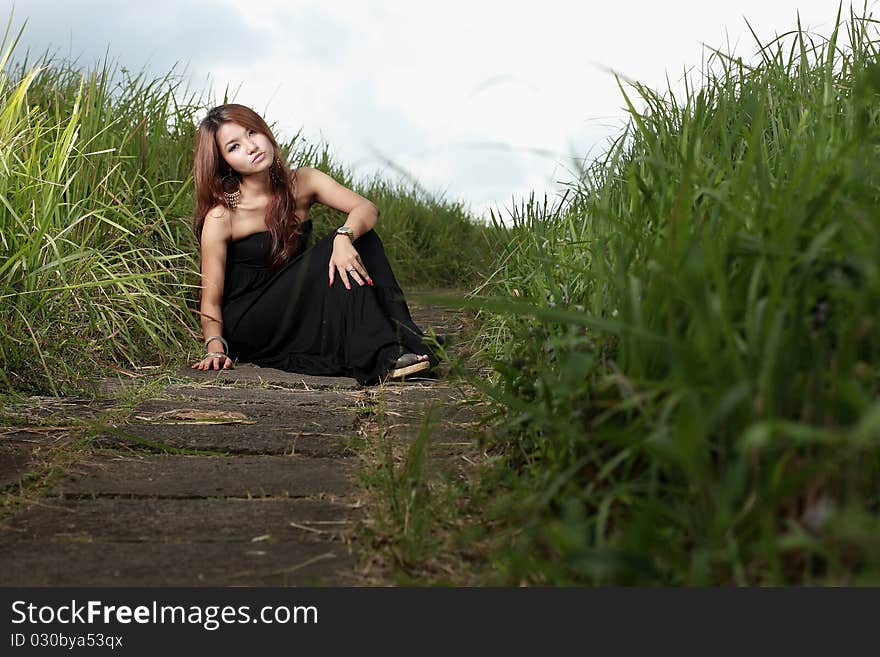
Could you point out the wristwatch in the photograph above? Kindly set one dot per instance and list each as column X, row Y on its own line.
column 346, row 230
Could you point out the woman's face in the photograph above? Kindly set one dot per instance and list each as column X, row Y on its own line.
column 244, row 149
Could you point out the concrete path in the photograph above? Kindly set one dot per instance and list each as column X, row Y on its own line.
column 262, row 488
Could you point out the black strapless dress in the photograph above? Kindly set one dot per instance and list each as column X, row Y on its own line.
column 292, row 320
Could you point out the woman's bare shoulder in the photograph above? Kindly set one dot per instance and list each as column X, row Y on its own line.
column 219, row 211
column 301, row 175
column 218, row 224
column 303, row 180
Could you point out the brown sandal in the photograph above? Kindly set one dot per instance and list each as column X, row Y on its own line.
column 407, row 364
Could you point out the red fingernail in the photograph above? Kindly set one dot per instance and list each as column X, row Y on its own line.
column 370, row 282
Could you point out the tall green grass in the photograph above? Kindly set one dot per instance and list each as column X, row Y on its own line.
column 431, row 242
column 98, row 263
column 686, row 344
column 94, row 194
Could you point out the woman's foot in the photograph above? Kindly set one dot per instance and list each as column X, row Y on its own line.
column 409, row 364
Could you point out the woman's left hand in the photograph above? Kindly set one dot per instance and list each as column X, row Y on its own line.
column 346, row 260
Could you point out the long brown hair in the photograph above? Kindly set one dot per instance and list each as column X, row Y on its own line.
column 210, row 170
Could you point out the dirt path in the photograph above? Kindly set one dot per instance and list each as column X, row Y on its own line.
column 264, row 489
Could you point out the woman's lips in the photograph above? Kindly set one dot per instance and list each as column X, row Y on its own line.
column 258, row 158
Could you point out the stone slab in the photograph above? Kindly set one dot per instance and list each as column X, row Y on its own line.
column 272, row 397
column 333, row 416
column 287, row 424
column 43, row 408
column 230, row 439
column 436, row 392
column 250, row 373
column 71, row 563
column 34, row 437
column 113, row 387
column 441, row 323
column 263, row 402
column 438, row 432
column 451, row 412
column 259, row 520
column 14, row 466
column 210, row 476
column 452, row 424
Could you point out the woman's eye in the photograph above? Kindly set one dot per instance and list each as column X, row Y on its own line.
column 250, row 132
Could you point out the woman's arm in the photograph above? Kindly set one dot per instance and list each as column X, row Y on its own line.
column 362, row 218
column 215, row 235
column 362, row 213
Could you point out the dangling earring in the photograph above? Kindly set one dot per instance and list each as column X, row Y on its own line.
column 232, row 198
column 275, row 170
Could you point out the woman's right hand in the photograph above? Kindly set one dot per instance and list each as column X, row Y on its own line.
column 214, row 363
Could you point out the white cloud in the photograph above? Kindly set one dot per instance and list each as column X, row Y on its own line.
column 482, row 99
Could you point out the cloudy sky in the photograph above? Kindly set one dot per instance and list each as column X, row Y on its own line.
column 479, row 101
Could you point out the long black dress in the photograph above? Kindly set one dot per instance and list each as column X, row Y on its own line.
column 292, row 320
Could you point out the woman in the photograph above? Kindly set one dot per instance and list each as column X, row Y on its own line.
column 264, row 299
